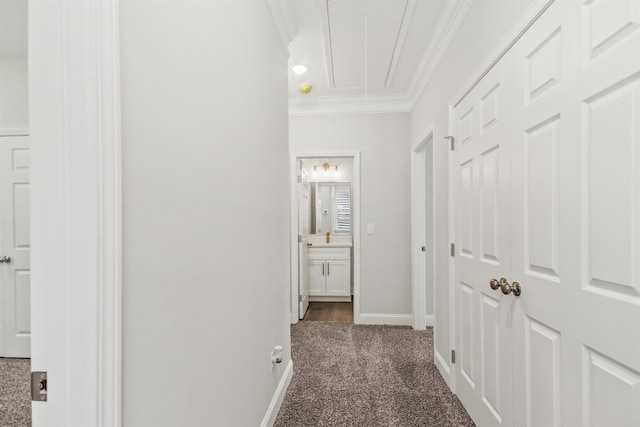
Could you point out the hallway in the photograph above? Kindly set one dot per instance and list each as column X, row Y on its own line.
column 360, row 375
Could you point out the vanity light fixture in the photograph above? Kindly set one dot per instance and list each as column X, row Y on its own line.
column 299, row 69
column 326, row 166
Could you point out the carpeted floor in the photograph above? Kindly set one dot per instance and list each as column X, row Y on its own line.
column 357, row 375
column 15, row 395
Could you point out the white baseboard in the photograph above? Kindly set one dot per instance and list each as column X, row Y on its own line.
column 385, row 319
column 14, row 132
column 443, row 367
column 428, row 320
column 278, row 397
column 330, row 299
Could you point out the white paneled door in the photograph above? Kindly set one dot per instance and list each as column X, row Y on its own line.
column 15, row 277
column 304, row 224
column 483, row 251
column 568, row 118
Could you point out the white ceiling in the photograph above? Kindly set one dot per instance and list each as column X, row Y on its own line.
column 400, row 41
column 13, row 28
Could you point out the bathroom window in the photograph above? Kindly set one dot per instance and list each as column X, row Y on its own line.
column 343, row 209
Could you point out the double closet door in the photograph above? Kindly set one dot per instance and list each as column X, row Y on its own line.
column 546, row 179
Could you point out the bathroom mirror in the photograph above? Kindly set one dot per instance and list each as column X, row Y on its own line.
column 332, row 207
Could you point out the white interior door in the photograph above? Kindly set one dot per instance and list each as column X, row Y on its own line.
column 15, row 273
column 482, row 252
column 565, row 126
column 576, row 215
column 304, row 224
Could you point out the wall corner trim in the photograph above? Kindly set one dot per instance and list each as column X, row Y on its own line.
column 386, row 319
column 278, row 397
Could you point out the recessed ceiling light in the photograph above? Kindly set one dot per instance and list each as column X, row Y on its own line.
column 299, row 69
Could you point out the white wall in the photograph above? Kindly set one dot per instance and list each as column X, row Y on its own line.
column 13, row 94
column 485, row 26
column 385, row 197
column 206, row 212
column 13, row 65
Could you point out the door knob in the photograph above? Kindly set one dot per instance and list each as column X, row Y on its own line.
column 5, row 258
column 517, row 290
column 494, row 284
column 509, row 288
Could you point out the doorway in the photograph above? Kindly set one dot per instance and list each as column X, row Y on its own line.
column 423, row 249
column 15, row 236
column 15, row 164
column 325, row 235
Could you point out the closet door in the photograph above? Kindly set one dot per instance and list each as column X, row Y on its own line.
column 482, row 252
column 576, row 217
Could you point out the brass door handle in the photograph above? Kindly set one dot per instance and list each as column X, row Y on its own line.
column 494, row 284
column 5, row 258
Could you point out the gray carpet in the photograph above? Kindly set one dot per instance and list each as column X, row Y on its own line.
column 357, row 375
column 15, row 395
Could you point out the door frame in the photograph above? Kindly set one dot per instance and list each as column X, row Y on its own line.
column 418, row 232
column 76, row 211
column 293, row 191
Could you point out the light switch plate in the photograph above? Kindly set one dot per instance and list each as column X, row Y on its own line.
column 370, row 229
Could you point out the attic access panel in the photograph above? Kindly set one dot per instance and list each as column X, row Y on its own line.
column 347, row 32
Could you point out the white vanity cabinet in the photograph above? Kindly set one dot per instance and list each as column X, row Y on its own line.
column 329, row 272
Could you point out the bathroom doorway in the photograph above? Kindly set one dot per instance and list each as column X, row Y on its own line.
column 325, row 236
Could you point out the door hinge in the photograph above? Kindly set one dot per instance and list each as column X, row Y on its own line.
column 299, row 298
column 39, row 386
column 453, row 249
column 453, row 356
column 451, row 139
column 299, row 238
column 299, row 179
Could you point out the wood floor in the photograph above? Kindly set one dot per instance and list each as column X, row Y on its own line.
column 330, row 311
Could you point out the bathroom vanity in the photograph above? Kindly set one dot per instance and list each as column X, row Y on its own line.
column 330, row 271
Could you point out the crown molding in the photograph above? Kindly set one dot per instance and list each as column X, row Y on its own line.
column 448, row 25
column 349, row 105
column 283, row 26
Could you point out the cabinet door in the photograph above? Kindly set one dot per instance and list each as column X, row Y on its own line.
column 338, row 277
column 317, row 277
